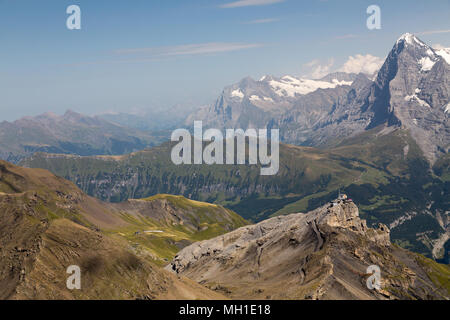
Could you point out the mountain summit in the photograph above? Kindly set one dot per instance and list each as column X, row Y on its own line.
column 412, row 90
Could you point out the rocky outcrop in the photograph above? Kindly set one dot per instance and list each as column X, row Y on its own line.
column 323, row 254
column 47, row 225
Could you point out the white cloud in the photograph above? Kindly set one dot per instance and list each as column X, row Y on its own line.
column 260, row 21
column 318, row 70
column 367, row 64
column 191, row 49
column 433, row 32
column 247, row 3
column 362, row 64
column 438, row 46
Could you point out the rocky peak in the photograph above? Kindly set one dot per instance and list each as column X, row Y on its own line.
column 408, row 38
column 344, row 214
column 323, row 254
column 412, row 91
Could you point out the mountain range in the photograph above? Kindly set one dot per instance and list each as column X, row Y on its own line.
column 411, row 91
column 71, row 133
column 47, row 224
column 394, row 187
column 141, row 227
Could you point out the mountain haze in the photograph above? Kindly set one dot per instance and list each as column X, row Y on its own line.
column 71, row 133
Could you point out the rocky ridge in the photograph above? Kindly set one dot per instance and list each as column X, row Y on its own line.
column 323, row 254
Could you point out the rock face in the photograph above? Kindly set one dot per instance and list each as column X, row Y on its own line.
column 412, row 90
column 320, row 255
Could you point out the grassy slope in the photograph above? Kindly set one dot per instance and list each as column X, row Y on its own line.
column 47, row 224
column 163, row 237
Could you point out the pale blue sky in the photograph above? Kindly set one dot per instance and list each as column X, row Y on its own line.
column 144, row 54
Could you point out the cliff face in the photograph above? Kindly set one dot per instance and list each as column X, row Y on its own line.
column 323, row 254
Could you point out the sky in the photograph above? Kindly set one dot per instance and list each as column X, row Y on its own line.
column 136, row 55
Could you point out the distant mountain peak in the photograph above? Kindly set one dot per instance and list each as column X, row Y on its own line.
column 412, row 40
column 417, row 52
column 69, row 114
column 408, row 38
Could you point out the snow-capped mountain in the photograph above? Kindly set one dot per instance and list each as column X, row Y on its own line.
column 71, row 133
column 410, row 91
column 444, row 53
column 257, row 103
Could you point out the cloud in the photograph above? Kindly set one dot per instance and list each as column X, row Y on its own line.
column 367, row 64
column 248, row 3
column 318, row 70
column 362, row 64
column 438, row 46
column 191, row 49
column 260, row 21
column 433, row 32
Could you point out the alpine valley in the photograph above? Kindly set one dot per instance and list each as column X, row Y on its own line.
column 89, row 191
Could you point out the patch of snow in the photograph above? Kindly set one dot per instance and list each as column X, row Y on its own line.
column 421, row 102
column 444, row 53
column 289, row 79
column 290, row 86
column 420, row 43
column 447, row 108
column 255, row 98
column 268, row 99
column 237, row 94
column 342, row 83
column 263, row 78
column 430, row 52
column 408, row 38
column 426, row 63
column 417, row 90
